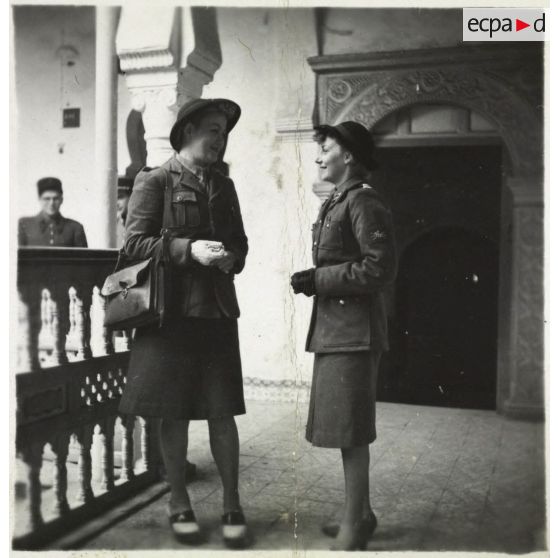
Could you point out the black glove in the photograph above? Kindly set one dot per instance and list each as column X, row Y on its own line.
column 303, row 282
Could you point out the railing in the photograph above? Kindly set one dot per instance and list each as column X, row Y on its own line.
column 75, row 455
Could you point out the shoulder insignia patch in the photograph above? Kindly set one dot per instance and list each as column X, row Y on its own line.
column 367, row 186
column 377, row 235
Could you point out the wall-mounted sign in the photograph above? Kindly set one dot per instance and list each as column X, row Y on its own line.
column 70, row 118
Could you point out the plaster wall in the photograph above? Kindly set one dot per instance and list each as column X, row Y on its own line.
column 43, row 86
column 274, row 183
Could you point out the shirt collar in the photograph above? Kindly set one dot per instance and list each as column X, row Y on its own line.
column 56, row 219
column 349, row 184
column 200, row 173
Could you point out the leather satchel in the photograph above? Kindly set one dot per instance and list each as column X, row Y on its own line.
column 135, row 295
column 136, row 292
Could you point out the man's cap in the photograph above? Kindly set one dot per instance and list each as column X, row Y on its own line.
column 49, row 183
column 229, row 108
column 354, row 137
column 125, row 185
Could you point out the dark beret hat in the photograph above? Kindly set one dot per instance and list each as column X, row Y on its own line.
column 354, row 137
column 49, row 183
column 229, row 108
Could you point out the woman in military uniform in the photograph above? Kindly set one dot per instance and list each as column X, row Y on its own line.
column 354, row 257
column 190, row 368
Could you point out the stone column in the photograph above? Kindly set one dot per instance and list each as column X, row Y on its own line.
column 105, row 123
column 168, row 55
column 526, row 374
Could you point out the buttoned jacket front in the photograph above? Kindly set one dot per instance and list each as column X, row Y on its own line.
column 58, row 231
column 199, row 212
column 355, row 258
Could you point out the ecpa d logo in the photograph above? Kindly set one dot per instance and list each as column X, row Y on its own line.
column 498, row 24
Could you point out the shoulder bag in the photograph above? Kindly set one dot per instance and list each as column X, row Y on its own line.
column 136, row 293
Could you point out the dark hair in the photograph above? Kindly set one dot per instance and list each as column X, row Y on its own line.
column 321, row 135
column 361, row 157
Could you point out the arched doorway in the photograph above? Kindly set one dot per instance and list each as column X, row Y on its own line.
column 445, row 327
column 445, row 194
column 369, row 88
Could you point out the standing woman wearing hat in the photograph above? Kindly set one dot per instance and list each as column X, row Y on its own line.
column 354, row 257
column 190, row 368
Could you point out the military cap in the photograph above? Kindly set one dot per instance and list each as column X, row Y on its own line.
column 49, row 183
column 229, row 108
column 354, row 137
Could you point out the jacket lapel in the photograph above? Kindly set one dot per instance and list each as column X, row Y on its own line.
column 216, row 185
column 186, row 178
column 340, row 192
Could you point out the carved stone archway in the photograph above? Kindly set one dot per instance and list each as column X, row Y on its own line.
column 504, row 84
column 371, row 98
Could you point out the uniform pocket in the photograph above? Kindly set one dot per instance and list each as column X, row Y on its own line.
column 344, row 323
column 185, row 209
column 331, row 236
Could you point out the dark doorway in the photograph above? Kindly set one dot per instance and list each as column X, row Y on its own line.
column 446, row 298
column 444, row 304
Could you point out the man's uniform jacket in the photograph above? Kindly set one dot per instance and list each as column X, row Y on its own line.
column 199, row 212
column 42, row 230
column 355, row 258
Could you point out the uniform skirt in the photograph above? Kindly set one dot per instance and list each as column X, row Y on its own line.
column 189, row 369
column 342, row 410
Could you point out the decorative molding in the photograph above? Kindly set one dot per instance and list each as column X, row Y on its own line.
column 147, row 60
column 513, row 55
column 295, row 129
column 261, row 389
column 527, row 362
column 367, row 88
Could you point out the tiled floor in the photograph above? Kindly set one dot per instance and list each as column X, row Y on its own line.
column 441, row 479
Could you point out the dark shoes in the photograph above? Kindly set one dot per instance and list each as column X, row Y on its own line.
column 368, row 527
column 185, row 527
column 235, row 531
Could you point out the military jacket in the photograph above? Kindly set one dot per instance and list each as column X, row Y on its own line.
column 199, row 212
column 354, row 253
column 42, row 230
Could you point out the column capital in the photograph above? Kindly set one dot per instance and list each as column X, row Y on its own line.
column 169, row 54
column 147, row 38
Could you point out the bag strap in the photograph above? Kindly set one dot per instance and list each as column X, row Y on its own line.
column 167, row 219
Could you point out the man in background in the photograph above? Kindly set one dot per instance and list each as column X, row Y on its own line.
column 125, row 185
column 49, row 227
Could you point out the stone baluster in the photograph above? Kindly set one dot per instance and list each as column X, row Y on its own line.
column 60, row 448
column 76, row 340
column 45, row 341
column 107, row 454
column 58, row 351
column 32, row 456
column 85, row 439
column 146, row 453
column 26, row 349
column 71, row 335
column 126, row 339
column 83, row 350
column 127, row 472
column 100, row 340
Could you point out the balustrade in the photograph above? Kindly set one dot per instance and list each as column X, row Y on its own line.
column 70, row 376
